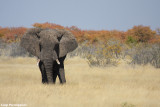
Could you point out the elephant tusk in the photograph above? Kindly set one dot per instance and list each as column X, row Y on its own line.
column 57, row 61
column 38, row 62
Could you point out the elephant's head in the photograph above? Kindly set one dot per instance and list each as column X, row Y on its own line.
column 48, row 43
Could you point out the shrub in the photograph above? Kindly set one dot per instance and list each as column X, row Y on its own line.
column 101, row 54
column 147, row 54
column 131, row 40
column 127, row 105
column 11, row 49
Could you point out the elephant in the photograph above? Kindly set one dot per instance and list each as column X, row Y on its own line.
column 50, row 46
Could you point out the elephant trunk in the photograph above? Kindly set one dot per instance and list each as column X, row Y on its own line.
column 48, row 63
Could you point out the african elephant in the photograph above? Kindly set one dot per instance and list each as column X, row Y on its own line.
column 49, row 45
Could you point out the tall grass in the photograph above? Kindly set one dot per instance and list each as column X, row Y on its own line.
column 122, row 86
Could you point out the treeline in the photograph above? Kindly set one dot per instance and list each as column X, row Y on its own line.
column 134, row 35
column 138, row 45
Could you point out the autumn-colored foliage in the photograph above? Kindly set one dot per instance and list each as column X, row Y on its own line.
column 12, row 34
column 141, row 33
column 48, row 25
column 136, row 34
column 99, row 47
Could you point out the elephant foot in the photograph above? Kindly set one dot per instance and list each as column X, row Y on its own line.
column 43, row 72
column 44, row 81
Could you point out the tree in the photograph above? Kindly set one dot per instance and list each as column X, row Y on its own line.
column 141, row 33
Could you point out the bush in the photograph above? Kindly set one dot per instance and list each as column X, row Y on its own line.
column 146, row 54
column 107, row 53
column 101, row 54
column 11, row 49
column 127, row 105
column 131, row 40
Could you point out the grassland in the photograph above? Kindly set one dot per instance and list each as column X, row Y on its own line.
column 122, row 86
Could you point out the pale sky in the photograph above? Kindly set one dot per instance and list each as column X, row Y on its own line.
column 85, row 14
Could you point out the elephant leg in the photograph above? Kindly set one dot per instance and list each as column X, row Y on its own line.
column 48, row 63
column 61, row 73
column 55, row 71
column 43, row 72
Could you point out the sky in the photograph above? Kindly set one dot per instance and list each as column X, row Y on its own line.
column 85, row 14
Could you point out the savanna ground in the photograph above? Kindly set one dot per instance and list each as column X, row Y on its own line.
column 122, row 86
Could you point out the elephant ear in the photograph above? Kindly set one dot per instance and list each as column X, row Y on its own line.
column 67, row 44
column 30, row 41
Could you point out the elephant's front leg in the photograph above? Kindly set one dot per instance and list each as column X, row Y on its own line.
column 55, row 71
column 43, row 72
column 61, row 73
column 48, row 63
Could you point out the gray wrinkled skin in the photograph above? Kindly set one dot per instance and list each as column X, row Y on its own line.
column 49, row 45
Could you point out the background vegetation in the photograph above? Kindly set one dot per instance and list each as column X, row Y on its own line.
column 121, row 86
column 138, row 45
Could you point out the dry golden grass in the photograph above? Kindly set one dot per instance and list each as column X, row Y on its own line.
column 122, row 86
